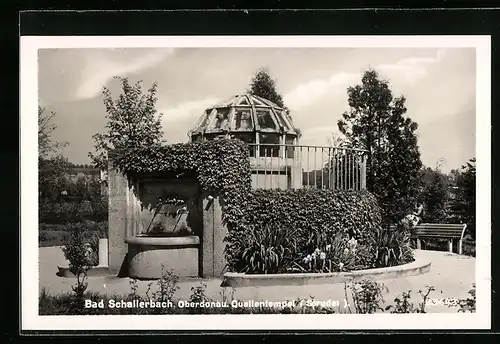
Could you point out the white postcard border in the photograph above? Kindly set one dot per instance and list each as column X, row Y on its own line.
column 29, row 46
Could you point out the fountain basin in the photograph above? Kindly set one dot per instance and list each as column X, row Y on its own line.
column 147, row 255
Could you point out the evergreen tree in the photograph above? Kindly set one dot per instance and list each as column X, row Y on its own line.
column 435, row 198
column 133, row 121
column 467, row 191
column 262, row 85
column 376, row 122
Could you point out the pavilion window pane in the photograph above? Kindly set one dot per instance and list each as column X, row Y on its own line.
column 222, row 118
column 243, row 120
column 265, row 120
column 204, row 122
column 281, row 120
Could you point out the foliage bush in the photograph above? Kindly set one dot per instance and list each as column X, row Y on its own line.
column 315, row 217
column 81, row 259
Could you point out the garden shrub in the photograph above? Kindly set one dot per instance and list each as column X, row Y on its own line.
column 80, row 261
column 315, row 217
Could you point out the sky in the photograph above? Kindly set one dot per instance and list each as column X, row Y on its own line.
column 439, row 85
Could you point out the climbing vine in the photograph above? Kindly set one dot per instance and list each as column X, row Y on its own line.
column 221, row 166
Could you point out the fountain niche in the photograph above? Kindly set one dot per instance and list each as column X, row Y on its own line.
column 167, row 229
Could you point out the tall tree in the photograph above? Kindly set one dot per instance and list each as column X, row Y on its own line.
column 435, row 197
column 376, row 122
column 46, row 146
column 52, row 165
column 467, row 187
column 263, row 85
column 132, row 121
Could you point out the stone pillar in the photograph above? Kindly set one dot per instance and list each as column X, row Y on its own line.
column 450, row 245
column 207, row 249
column 220, row 233
column 419, row 244
column 214, row 232
column 103, row 252
column 117, row 220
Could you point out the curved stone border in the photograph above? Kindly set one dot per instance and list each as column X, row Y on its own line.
column 417, row 267
column 96, row 271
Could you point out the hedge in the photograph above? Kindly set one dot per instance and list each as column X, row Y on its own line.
column 355, row 214
column 88, row 226
column 71, row 212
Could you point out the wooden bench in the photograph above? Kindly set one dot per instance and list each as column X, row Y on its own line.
column 451, row 232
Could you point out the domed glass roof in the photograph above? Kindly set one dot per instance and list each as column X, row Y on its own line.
column 244, row 114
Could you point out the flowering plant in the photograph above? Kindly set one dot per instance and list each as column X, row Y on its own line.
column 392, row 247
column 337, row 256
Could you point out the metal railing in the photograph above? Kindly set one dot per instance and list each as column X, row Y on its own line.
column 297, row 166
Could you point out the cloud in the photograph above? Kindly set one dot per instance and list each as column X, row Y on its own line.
column 410, row 69
column 407, row 69
column 100, row 68
column 187, row 110
column 319, row 135
column 307, row 94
